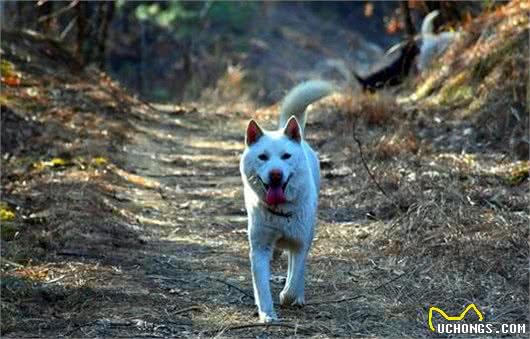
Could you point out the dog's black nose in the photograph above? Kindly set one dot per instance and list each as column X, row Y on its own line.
column 275, row 177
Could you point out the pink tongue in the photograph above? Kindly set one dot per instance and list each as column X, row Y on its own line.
column 275, row 196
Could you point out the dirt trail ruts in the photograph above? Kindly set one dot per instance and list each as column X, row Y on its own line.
column 191, row 276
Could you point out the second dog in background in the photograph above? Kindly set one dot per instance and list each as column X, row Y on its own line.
column 432, row 44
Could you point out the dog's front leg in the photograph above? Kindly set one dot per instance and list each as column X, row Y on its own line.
column 293, row 292
column 260, row 261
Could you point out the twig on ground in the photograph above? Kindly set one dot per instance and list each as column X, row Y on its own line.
column 162, row 277
column 55, row 279
column 11, row 263
column 77, row 328
column 233, row 286
column 78, row 254
column 394, row 279
column 214, row 279
column 365, row 165
column 187, row 309
column 336, row 301
column 175, row 175
column 278, row 324
column 105, row 322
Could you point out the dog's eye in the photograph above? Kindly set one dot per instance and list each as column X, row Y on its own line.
column 286, row 156
column 263, row 157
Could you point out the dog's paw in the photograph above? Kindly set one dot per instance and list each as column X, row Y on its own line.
column 267, row 317
column 291, row 299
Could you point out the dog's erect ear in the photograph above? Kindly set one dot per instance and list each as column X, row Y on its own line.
column 292, row 130
column 254, row 132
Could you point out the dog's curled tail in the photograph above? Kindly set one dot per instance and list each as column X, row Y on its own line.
column 427, row 24
column 297, row 100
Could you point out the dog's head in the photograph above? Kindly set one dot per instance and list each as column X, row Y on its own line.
column 271, row 159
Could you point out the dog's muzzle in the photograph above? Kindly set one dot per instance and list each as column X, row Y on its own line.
column 275, row 190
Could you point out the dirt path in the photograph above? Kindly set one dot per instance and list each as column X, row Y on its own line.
column 191, row 275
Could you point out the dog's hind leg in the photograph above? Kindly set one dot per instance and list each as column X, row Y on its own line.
column 293, row 292
column 260, row 261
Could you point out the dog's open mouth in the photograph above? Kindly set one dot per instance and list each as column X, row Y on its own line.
column 275, row 194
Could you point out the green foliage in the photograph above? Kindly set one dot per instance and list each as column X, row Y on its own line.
column 185, row 18
column 120, row 4
column 6, row 68
column 519, row 173
column 6, row 213
column 166, row 15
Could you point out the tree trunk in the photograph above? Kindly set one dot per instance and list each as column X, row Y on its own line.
column 107, row 16
column 81, row 31
column 407, row 19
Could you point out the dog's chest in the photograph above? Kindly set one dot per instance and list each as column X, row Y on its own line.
column 292, row 226
column 281, row 219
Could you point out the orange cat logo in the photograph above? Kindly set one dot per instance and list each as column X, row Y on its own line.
column 455, row 318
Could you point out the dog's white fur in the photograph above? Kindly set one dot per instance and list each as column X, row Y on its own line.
column 290, row 225
column 432, row 44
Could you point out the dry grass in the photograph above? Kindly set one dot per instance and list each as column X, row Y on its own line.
column 394, row 145
column 452, row 224
column 375, row 109
column 493, row 49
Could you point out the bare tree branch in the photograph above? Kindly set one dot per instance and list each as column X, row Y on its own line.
column 58, row 13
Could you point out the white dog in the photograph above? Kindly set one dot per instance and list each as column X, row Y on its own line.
column 432, row 44
column 281, row 178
